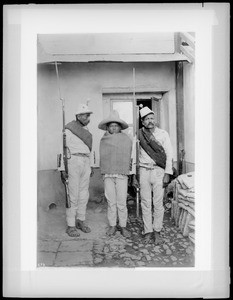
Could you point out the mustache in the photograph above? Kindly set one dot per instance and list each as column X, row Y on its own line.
column 148, row 125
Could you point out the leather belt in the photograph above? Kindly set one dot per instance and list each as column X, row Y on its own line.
column 148, row 166
column 81, row 154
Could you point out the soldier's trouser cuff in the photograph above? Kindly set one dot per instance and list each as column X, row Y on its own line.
column 80, row 217
column 70, row 222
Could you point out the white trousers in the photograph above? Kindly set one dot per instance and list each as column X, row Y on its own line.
column 152, row 181
column 116, row 195
column 79, row 179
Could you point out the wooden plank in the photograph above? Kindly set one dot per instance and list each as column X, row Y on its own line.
column 186, row 37
column 151, row 90
column 107, row 43
column 179, row 113
column 113, row 58
column 177, row 42
column 188, row 52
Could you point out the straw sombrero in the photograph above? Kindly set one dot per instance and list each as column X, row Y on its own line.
column 112, row 118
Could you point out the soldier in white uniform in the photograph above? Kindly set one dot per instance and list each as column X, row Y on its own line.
column 155, row 161
column 79, row 143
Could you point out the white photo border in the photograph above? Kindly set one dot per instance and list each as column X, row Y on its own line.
column 210, row 276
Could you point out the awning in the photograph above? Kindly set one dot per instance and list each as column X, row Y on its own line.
column 139, row 47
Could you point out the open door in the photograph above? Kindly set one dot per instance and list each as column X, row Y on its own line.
column 153, row 104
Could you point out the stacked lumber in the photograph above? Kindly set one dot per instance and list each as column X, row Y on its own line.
column 183, row 205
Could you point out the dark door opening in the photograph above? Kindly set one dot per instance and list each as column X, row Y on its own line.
column 143, row 102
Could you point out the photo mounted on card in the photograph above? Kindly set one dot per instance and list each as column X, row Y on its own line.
column 116, row 133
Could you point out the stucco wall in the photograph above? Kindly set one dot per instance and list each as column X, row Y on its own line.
column 51, row 190
column 168, row 118
column 82, row 81
column 189, row 115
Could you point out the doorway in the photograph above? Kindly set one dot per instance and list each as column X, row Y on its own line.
column 153, row 104
column 142, row 103
column 124, row 104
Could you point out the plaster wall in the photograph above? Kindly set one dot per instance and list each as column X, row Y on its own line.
column 189, row 115
column 51, row 190
column 168, row 118
column 80, row 82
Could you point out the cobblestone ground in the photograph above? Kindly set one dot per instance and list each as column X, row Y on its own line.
column 57, row 249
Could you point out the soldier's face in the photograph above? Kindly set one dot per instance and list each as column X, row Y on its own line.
column 149, row 121
column 114, row 128
column 84, row 118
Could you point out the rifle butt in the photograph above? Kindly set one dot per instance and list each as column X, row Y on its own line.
column 68, row 204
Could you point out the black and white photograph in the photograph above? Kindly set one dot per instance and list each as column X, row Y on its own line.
column 116, row 150
column 122, row 190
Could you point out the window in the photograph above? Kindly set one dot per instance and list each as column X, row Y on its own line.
column 125, row 110
column 123, row 103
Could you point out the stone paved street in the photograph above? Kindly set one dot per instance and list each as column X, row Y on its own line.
column 96, row 249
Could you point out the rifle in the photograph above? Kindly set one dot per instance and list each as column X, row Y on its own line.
column 136, row 130
column 65, row 175
column 183, row 165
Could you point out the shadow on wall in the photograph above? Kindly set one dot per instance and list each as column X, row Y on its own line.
column 50, row 189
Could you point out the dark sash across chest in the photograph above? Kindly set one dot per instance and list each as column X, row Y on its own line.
column 76, row 128
column 152, row 147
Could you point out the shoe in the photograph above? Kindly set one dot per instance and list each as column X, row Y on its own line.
column 72, row 231
column 157, row 238
column 125, row 232
column 111, row 230
column 81, row 225
column 147, row 238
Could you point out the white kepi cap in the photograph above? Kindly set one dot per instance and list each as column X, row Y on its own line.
column 145, row 111
column 83, row 109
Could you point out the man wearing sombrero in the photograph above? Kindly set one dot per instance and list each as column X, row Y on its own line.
column 115, row 157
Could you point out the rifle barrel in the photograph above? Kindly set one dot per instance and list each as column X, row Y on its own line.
column 58, row 80
column 136, row 129
column 68, row 204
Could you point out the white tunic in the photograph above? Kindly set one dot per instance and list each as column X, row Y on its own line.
column 75, row 144
column 163, row 138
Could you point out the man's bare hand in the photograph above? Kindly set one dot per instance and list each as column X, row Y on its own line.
column 64, row 176
column 135, row 183
column 92, row 171
column 166, row 179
